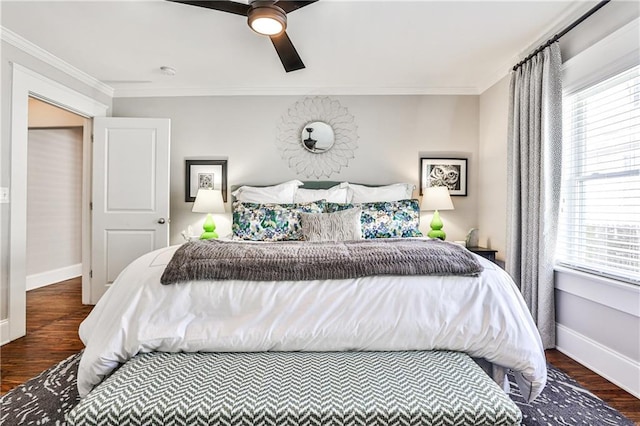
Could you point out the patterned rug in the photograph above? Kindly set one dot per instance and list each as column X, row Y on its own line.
column 45, row 399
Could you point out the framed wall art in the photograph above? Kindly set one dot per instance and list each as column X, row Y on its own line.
column 205, row 174
column 449, row 172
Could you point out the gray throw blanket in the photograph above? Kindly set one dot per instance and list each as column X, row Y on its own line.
column 301, row 261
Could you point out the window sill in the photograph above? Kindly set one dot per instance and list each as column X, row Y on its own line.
column 605, row 291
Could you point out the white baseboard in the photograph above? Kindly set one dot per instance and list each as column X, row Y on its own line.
column 4, row 331
column 55, row 276
column 613, row 366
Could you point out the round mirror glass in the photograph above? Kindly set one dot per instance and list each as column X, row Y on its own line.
column 317, row 137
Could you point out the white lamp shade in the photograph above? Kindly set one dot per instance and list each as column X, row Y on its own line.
column 208, row 201
column 436, row 198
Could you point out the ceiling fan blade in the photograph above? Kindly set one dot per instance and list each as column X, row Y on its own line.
column 290, row 5
column 287, row 52
column 224, row 6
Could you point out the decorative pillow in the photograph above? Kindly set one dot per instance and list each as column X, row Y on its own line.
column 335, row 194
column 270, row 222
column 391, row 219
column 338, row 226
column 372, row 194
column 281, row 194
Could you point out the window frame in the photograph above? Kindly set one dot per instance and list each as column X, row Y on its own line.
column 576, row 217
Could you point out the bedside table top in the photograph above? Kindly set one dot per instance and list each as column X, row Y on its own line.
column 481, row 250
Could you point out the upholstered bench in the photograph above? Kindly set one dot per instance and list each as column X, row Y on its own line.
column 298, row 388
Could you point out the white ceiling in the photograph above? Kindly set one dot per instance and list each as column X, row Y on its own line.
column 348, row 47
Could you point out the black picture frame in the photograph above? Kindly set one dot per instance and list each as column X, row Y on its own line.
column 449, row 172
column 204, row 173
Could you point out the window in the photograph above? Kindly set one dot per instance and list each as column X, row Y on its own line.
column 599, row 228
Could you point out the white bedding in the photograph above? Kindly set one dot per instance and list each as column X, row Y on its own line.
column 484, row 316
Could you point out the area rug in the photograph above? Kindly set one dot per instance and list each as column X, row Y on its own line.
column 564, row 402
column 45, row 399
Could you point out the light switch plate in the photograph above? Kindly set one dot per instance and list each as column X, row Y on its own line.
column 4, row 195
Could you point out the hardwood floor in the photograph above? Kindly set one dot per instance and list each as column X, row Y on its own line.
column 53, row 316
column 55, row 312
column 619, row 399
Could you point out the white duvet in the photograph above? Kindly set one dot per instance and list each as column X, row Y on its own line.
column 484, row 316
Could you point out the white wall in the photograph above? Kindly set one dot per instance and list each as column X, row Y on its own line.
column 393, row 130
column 598, row 325
column 492, row 180
column 612, row 16
column 54, row 201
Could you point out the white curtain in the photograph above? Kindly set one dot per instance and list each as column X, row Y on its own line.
column 534, row 155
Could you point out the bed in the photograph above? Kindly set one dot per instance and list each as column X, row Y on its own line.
column 479, row 313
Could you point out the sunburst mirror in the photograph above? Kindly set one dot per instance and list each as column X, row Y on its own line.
column 317, row 136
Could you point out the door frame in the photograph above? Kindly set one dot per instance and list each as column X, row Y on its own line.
column 29, row 83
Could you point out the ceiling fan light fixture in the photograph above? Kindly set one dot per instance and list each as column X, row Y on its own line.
column 267, row 20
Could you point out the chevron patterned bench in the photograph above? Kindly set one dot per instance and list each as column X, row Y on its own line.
column 298, row 388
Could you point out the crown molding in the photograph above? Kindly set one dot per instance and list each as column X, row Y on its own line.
column 140, row 92
column 37, row 52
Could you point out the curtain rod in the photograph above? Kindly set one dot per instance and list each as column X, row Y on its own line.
column 561, row 33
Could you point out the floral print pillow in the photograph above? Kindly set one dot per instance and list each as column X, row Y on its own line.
column 271, row 222
column 386, row 219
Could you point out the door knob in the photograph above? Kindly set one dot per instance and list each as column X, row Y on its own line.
column 161, row 221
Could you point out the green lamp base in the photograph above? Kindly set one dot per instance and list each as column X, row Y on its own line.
column 209, row 228
column 436, row 233
column 208, row 235
column 436, row 227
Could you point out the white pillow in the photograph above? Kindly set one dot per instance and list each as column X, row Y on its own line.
column 335, row 194
column 283, row 193
column 373, row 194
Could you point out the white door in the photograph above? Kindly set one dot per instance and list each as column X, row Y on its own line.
column 130, row 194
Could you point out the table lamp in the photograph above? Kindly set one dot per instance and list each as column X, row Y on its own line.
column 436, row 198
column 208, row 201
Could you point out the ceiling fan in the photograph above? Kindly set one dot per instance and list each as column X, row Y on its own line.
column 266, row 18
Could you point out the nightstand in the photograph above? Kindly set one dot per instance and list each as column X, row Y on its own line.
column 484, row 252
